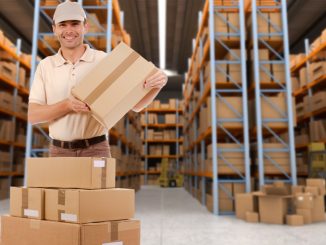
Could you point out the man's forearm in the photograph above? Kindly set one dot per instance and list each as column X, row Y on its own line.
column 46, row 113
column 146, row 100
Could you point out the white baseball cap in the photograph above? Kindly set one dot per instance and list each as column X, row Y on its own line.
column 69, row 11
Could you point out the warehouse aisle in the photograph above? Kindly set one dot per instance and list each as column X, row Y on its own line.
column 173, row 217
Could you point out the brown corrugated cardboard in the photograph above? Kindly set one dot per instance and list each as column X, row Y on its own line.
column 294, row 220
column 85, row 206
column 252, row 217
column 318, row 209
column 320, row 183
column 303, row 76
column 220, row 23
column 312, row 190
column 71, row 172
column 297, row 189
column 40, row 232
column 244, row 202
column 303, row 200
column 27, row 202
column 229, row 147
column 115, row 85
column 306, row 213
column 272, row 208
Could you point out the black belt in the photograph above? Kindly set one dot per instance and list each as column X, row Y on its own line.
column 79, row 144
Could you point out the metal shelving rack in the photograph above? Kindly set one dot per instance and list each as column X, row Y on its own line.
column 16, row 89
column 281, row 54
column 177, row 141
column 220, row 91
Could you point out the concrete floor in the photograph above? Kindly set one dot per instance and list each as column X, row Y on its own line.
column 173, row 217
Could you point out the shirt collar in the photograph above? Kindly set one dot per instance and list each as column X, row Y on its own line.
column 88, row 56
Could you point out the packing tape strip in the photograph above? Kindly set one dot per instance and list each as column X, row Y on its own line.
column 24, row 200
column 103, row 174
column 114, row 230
column 61, row 202
column 117, row 72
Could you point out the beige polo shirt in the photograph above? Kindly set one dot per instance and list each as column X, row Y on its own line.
column 54, row 78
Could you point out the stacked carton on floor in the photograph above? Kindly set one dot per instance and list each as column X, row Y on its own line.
column 70, row 201
column 278, row 204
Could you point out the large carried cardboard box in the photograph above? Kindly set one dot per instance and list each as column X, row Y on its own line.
column 27, row 202
column 39, row 232
column 115, row 85
column 71, row 172
column 85, row 206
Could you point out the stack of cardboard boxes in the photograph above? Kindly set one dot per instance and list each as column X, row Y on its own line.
column 280, row 204
column 70, row 201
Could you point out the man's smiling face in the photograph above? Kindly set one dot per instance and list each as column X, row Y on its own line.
column 70, row 33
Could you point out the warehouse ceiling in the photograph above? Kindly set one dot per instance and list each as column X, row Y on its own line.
column 306, row 20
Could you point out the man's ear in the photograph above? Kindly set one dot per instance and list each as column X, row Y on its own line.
column 53, row 29
column 86, row 25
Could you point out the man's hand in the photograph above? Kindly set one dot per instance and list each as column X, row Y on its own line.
column 158, row 80
column 76, row 105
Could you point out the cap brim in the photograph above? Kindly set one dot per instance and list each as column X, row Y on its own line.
column 66, row 18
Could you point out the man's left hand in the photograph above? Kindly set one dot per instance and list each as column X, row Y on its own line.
column 158, row 80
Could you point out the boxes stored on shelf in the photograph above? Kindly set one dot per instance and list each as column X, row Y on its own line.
column 220, row 73
column 318, row 70
column 170, row 119
column 226, row 165
column 226, row 111
column 40, row 232
column 119, row 84
column 317, row 130
column 318, row 101
column 27, row 202
column 8, row 70
column 303, row 76
column 233, row 150
column 85, row 206
column 278, row 71
column 71, row 172
column 270, row 168
column 319, row 183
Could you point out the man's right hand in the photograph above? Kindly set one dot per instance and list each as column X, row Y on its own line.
column 76, row 105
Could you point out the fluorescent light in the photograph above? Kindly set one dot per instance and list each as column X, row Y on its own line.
column 171, row 73
column 161, row 4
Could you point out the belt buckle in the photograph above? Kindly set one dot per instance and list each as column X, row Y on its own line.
column 87, row 142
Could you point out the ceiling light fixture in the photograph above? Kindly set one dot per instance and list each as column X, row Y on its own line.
column 161, row 4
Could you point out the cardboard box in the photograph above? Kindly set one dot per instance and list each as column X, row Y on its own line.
column 275, row 25
column 304, row 200
column 71, row 172
column 86, row 206
column 252, row 217
column 224, row 111
column 244, row 202
column 278, row 73
column 306, row 213
column 8, row 70
column 294, row 220
column 297, row 189
column 226, row 146
column 313, row 190
column 27, row 202
column 40, row 232
column 320, row 183
column 220, row 23
column 220, row 73
column 303, row 76
column 268, row 111
column 318, row 101
column 318, row 209
column 272, row 208
column 115, row 85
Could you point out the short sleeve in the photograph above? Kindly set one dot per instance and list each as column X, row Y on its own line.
column 37, row 94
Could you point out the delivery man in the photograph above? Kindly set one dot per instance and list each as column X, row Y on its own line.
column 74, row 132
